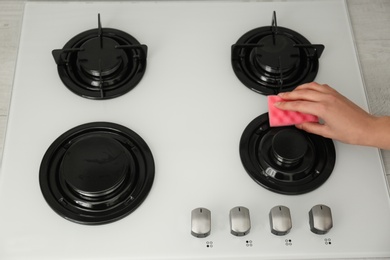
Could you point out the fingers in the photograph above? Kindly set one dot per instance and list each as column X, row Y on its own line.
column 303, row 106
column 315, row 128
column 309, row 91
column 311, row 98
column 302, row 94
column 343, row 120
column 323, row 88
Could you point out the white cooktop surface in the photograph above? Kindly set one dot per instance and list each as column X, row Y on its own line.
column 191, row 110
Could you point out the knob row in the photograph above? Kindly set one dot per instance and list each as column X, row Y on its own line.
column 320, row 220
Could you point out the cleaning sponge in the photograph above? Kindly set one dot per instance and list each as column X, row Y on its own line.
column 278, row 117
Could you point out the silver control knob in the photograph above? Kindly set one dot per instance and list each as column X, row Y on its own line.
column 320, row 219
column 200, row 222
column 240, row 222
column 280, row 220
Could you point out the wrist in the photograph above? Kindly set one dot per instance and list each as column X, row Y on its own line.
column 377, row 132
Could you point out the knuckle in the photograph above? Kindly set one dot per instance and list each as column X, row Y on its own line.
column 321, row 108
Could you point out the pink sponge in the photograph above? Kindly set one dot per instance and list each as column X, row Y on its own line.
column 278, row 117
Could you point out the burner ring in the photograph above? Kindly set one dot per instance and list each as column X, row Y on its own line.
column 301, row 169
column 96, row 173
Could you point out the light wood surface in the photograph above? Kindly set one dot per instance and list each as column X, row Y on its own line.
column 370, row 22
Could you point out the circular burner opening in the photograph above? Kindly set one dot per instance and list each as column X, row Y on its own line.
column 96, row 173
column 284, row 159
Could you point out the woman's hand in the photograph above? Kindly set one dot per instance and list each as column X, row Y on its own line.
column 342, row 119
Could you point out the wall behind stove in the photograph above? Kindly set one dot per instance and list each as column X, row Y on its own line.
column 370, row 21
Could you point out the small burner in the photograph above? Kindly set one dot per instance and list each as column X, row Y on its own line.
column 96, row 173
column 101, row 63
column 284, row 159
column 274, row 59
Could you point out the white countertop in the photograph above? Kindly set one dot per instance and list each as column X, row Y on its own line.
column 370, row 20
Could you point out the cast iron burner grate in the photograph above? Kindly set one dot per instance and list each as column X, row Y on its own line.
column 96, row 173
column 101, row 63
column 274, row 59
column 284, row 159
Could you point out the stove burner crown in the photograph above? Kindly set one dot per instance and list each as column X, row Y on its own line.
column 95, row 51
column 264, row 56
column 289, row 146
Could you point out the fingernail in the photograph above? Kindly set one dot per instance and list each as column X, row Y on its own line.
column 282, row 94
column 276, row 104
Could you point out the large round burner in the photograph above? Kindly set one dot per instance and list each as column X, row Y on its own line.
column 284, row 159
column 96, row 173
column 274, row 59
column 101, row 63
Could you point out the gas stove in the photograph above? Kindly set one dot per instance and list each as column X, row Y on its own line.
column 139, row 130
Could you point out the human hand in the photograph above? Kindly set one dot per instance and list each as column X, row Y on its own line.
column 342, row 119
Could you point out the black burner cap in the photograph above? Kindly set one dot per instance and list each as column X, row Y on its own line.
column 277, row 54
column 289, row 146
column 95, row 166
column 100, row 57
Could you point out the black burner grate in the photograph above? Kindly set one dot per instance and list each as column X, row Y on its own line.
column 101, row 63
column 275, row 59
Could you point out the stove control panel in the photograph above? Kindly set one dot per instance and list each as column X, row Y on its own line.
column 320, row 220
